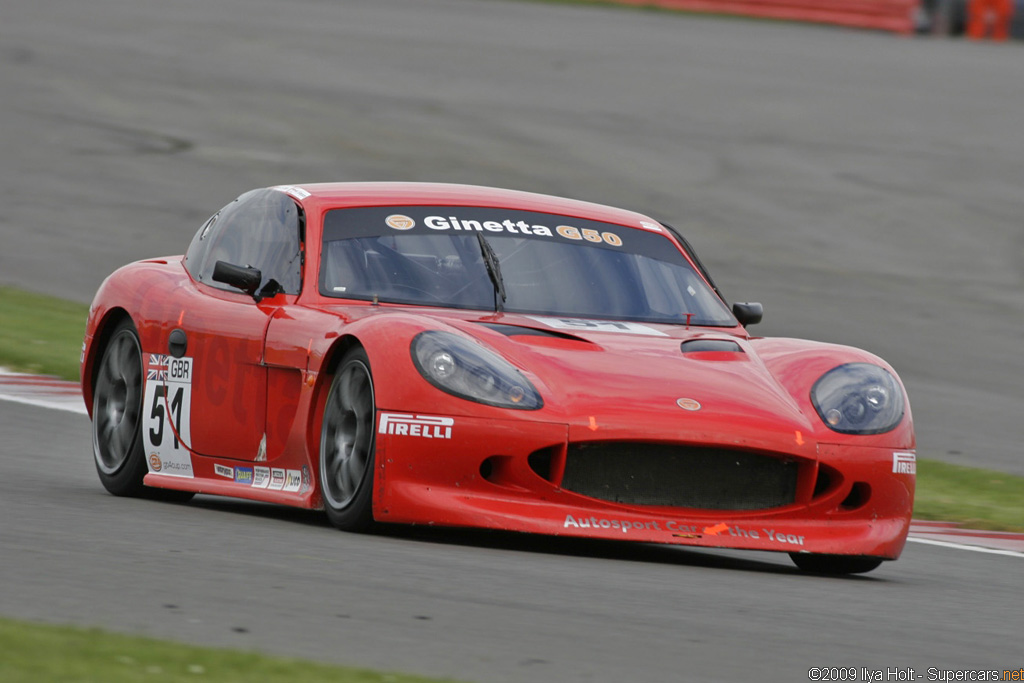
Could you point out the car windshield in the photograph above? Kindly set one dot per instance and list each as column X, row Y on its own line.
column 549, row 264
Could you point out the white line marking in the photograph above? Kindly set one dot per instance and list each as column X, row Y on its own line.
column 42, row 391
column 961, row 546
column 74, row 406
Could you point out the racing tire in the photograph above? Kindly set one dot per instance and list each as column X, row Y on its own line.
column 834, row 564
column 347, row 445
column 117, row 419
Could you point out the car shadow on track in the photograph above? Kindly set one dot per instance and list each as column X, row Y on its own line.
column 511, row 541
column 684, row 556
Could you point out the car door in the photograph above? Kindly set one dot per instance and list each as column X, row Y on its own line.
column 225, row 328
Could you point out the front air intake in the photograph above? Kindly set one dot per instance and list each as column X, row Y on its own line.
column 663, row 475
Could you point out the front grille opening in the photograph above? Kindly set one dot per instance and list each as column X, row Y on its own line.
column 540, row 462
column 664, row 475
column 828, row 480
column 487, row 469
column 507, row 471
column 859, row 496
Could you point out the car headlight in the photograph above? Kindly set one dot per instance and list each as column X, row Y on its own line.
column 858, row 398
column 465, row 369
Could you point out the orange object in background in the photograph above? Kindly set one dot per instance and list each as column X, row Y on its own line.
column 989, row 19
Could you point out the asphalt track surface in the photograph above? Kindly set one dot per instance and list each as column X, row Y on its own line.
column 864, row 187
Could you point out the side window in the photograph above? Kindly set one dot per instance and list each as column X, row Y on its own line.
column 199, row 247
column 259, row 229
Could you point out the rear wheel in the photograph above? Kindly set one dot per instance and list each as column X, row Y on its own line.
column 117, row 419
column 347, row 445
column 834, row 564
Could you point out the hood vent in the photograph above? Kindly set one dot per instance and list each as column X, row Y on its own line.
column 710, row 346
column 518, row 331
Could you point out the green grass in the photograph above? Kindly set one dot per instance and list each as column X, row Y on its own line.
column 980, row 499
column 40, row 333
column 31, row 653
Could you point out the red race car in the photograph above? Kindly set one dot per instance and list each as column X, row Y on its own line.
column 473, row 357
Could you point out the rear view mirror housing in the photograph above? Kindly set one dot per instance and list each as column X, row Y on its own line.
column 748, row 313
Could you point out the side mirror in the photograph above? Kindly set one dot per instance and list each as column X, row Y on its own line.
column 748, row 313
column 245, row 278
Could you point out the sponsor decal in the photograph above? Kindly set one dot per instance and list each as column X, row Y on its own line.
column 571, row 232
column 904, row 463
column 771, row 534
column 244, row 475
column 261, row 477
column 506, row 226
column 688, row 404
column 520, row 227
column 307, row 480
column 400, row 222
column 582, row 325
column 277, row 479
column 293, row 480
column 223, row 471
column 293, row 190
column 682, row 530
column 598, row 523
column 155, row 464
column 688, row 530
column 423, row 426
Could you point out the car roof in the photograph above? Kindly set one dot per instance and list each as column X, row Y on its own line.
column 350, row 194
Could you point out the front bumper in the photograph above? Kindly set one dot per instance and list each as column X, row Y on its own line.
column 507, row 475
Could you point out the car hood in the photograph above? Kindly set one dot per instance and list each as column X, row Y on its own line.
column 612, row 381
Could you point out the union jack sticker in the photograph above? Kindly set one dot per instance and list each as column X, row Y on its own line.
column 156, row 368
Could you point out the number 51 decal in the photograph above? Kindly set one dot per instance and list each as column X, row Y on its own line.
column 166, row 415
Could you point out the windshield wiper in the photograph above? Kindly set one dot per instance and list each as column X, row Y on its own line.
column 493, row 271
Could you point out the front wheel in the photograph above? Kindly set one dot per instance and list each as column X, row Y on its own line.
column 347, row 445
column 117, row 414
column 117, row 419
column 834, row 564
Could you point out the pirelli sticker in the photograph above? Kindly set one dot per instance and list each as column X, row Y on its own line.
column 904, row 463
column 418, row 426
